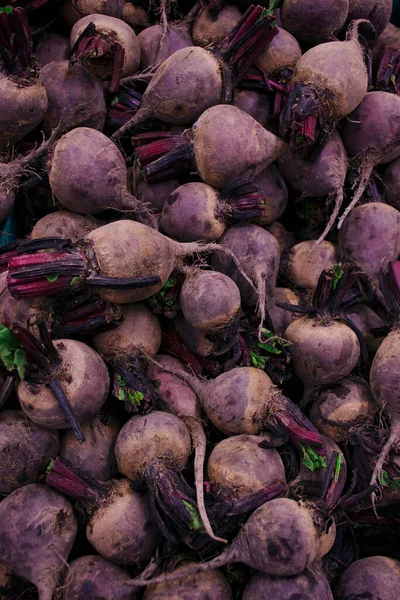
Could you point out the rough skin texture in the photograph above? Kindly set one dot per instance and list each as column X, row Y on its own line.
column 208, row 29
column 121, row 529
column 222, row 157
column 64, row 224
column 84, row 379
column 238, row 467
column 283, row 53
column 138, row 333
column 323, row 350
column 37, row 531
column 175, row 39
column 375, row 577
column 209, row 300
column 94, row 577
column 210, row 585
column 309, row 585
column 25, row 450
column 75, row 98
column 305, row 269
column 314, row 22
column 155, row 438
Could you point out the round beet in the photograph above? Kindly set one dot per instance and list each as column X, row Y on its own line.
column 372, row 577
column 238, row 466
column 210, row 29
column 146, row 440
column 52, row 47
column 94, row 577
column 96, row 455
column 107, row 46
column 155, row 47
column 328, row 82
column 156, row 193
column 308, row 585
column 284, row 237
column 37, row 531
column 75, row 98
column 343, row 405
column 323, row 350
column 282, row 55
column 209, row 301
column 314, row 23
column 25, row 450
column 211, row 585
column 305, row 269
column 118, row 525
column 138, row 334
column 80, row 376
column 64, row 224
column 88, row 173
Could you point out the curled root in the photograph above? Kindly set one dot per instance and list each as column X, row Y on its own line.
column 338, row 203
column 365, row 174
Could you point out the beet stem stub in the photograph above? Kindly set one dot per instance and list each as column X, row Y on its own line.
column 55, row 386
column 69, row 480
column 16, row 45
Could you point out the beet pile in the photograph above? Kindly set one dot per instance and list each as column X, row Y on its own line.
column 199, row 300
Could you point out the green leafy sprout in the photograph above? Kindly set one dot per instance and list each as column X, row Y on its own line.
column 125, row 393
column 312, row 460
column 338, row 466
column 50, row 466
column 11, row 355
column 338, row 273
column 196, row 523
column 273, row 345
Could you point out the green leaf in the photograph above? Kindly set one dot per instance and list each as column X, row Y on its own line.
column 395, row 485
column 135, row 397
column 337, row 275
column 50, row 466
column 75, row 280
column 121, row 395
column 197, row 523
column 393, row 78
column 121, row 382
column 257, row 361
column 6, row 9
column 384, row 479
column 338, row 466
column 311, row 459
column 53, row 277
column 11, row 354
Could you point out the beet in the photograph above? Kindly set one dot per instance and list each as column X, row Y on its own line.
column 377, row 576
column 75, row 98
column 314, row 23
column 309, row 584
column 25, row 449
column 155, row 47
column 37, row 531
column 210, row 29
column 211, row 585
column 52, row 47
column 95, row 576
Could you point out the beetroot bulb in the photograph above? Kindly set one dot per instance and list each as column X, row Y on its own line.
column 372, row 140
column 52, row 47
column 155, row 47
column 22, row 97
column 96, row 455
column 121, row 271
column 309, row 584
column 313, row 23
column 325, row 345
column 118, row 519
column 62, row 383
column 25, row 449
column 37, row 531
column 272, row 187
column 64, row 224
column 252, row 102
column 175, row 96
column 197, row 212
column 107, row 46
column 258, row 252
column 391, row 180
column 209, row 28
column 325, row 176
column 82, row 159
column 212, row 144
column 179, row 399
column 75, row 97
column 98, row 578
column 280, row 538
column 374, row 576
column 339, row 407
column 328, row 81
column 211, row 585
